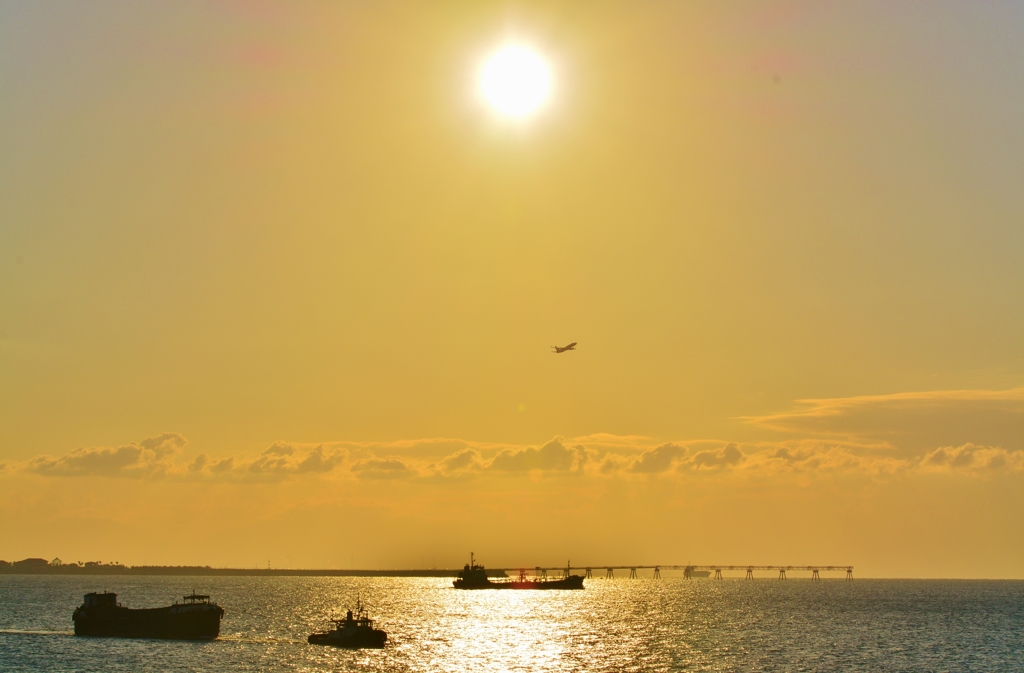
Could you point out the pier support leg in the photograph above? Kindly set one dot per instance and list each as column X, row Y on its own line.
column 610, row 575
column 589, row 574
column 750, row 573
column 718, row 573
column 849, row 573
column 657, row 573
column 686, row 573
column 814, row 574
column 632, row 573
column 782, row 573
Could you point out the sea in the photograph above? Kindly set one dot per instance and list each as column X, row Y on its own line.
column 669, row 624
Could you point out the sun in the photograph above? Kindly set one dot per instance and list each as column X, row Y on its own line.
column 515, row 81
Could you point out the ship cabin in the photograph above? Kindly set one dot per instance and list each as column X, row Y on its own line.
column 100, row 600
column 359, row 619
column 472, row 571
column 197, row 599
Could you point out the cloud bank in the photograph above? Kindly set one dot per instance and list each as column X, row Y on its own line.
column 874, row 436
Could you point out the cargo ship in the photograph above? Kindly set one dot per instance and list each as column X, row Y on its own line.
column 355, row 631
column 474, row 576
column 196, row 618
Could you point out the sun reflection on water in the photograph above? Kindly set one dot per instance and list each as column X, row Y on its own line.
column 612, row 625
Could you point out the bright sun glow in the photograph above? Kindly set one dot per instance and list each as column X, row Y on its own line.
column 515, row 81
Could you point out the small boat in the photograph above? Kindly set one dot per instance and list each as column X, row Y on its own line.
column 355, row 631
column 474, row 576
column 194, row 619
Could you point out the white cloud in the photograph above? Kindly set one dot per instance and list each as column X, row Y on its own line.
column 383, row 468
column 553, row 456
column 718, row 458
column 971, row 458
column 152, row 456
column 660, row 459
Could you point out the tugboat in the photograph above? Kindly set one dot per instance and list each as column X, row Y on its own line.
column 474, row 576
column 194, row 619
column 355, row 631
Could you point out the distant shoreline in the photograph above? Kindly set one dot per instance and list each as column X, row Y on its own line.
column 71, row 569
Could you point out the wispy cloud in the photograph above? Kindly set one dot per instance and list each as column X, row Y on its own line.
column 908, row 422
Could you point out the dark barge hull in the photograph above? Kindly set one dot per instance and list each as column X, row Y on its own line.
column 179, row 622
column 572, row 582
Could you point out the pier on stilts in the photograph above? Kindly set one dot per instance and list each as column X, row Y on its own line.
column 691, row 571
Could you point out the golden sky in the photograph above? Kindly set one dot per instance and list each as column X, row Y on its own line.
column 275, row 280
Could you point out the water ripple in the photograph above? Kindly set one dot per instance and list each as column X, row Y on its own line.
column 613, row 625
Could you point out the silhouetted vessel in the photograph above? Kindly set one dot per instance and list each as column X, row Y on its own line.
column 355, row 631
column 194, row 619
column 474, row 576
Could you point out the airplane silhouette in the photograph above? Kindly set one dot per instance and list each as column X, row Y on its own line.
column 570, row 347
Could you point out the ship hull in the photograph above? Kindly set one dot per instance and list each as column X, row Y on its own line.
column 572, row 582
column 177, row 622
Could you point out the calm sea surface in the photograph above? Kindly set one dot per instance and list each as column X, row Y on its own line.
column 613, row 625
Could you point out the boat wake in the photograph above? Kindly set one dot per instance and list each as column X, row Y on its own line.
column 269, row 640
column 36, row 632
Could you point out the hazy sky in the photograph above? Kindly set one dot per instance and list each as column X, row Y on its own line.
column 275, row 281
